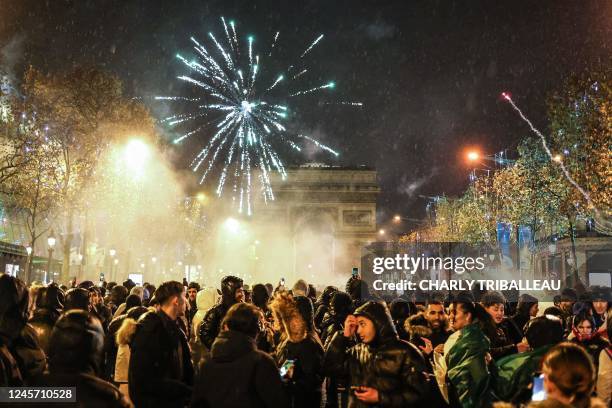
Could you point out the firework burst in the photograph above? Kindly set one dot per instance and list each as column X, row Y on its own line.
column 242, row 110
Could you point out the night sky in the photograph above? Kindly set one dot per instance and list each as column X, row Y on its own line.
column 429, row 72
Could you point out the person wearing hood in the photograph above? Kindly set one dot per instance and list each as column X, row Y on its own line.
column 340, row 306
column 237, row 374
column 21, row 356
column 380, row 369
column 526, row 309
column 584, row 334
column 123, row 339
column 321, row 306
column 75, row 355
column 160, row 372
column 232, row 292
column 300, row 350
column 49, row 306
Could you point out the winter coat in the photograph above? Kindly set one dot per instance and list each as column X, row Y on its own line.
column 42, row 321
column 593, row 345
column 395, row 368
column 160, row 372
column 467, row 369
column 205, row 299
column 604, row 375
column 238, row 375
column 92, row 392
column 211, row 324
column 124, row 337
column 31, row 358
column 305, row 387
column 516, row 372
column 501, row 345
column 300, row 343
column 10, row 376
column 110, row 347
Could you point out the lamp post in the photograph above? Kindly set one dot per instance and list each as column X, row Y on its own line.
column 112, row 252
column 114, row 274
column 27, row 265
column 80, row 259
column 51, row 240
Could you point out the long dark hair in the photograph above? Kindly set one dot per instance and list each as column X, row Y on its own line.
column 570, row 368
column 479, row 316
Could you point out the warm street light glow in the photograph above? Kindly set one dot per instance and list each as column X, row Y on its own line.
column 557, row 158
column 232, row 225
column 201, row 197
column 116, row 261
column 154, row 259
column 135, row 155
column 381, row 232
column 473, row 156
column 112, row 252
column 51, row 240
column 397, row 218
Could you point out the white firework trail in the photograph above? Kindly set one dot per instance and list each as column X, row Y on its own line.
column 566, row 173
column 245, row 118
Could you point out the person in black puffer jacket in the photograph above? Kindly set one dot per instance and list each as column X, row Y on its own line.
column 321, row 306
column 301, row 344
column 231, row 293
column 340, row 306
column 381, row 369
column 238, row 375
column 49, row 306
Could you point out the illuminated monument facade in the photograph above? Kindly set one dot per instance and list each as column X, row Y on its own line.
column 315, row 228
column 320, row 219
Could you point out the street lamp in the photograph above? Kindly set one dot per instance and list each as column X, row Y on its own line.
column 112, row 252
column 51, row 240
column 80, row 259
column 27, row 265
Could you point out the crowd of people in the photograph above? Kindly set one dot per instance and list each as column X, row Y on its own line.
column 179, row 345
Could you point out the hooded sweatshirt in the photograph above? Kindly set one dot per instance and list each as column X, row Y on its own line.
column 395, row 368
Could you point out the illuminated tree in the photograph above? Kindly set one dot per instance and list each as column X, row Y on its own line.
column 84, row 110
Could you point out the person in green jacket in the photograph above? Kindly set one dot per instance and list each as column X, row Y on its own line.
column 467, row 360
column 515, row 372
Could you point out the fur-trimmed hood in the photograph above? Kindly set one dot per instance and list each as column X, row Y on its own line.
column 126, row 331
column 417, row 326
column 287, row 317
